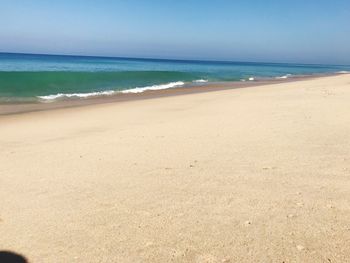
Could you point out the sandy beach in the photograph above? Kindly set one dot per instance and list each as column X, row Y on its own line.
column 260, row 174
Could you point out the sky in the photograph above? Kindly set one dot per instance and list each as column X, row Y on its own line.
column 301, row 31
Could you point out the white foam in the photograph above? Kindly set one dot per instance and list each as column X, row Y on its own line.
column 154, row 87
column 110, row 92
column 76, row 95
column 251, row 79
column 284, row 76
column 200, row 81
column 343, row 72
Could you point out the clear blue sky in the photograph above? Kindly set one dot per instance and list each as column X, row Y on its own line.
column 307, row 31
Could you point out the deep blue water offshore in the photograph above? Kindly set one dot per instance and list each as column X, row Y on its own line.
column 27, row 77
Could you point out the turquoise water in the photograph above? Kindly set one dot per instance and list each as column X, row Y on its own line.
column 47, row 77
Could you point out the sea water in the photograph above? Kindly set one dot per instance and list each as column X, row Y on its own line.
column 28, row 77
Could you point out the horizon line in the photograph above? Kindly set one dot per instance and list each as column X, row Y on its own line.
column 172, row 59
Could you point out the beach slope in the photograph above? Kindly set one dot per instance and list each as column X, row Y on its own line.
column 259, row 174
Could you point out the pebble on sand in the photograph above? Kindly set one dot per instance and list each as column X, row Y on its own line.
column 247, row 223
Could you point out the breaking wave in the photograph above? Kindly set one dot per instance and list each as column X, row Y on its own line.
column 110, row 92
column 284, row 76
column 200, row 81
column 76, row 95
column 154, row 87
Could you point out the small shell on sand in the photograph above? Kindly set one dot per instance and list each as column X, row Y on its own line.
column 149, row 244
column 300, row 247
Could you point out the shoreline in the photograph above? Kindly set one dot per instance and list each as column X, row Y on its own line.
column 191, row 88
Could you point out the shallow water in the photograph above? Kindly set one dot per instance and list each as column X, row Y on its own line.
column 25, row 77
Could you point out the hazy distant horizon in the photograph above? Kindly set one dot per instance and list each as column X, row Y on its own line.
column 173, row 59
column 312, row 32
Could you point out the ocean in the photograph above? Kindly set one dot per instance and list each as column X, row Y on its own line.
column 45, row 78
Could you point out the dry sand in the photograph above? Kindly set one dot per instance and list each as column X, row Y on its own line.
column 247, row 175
